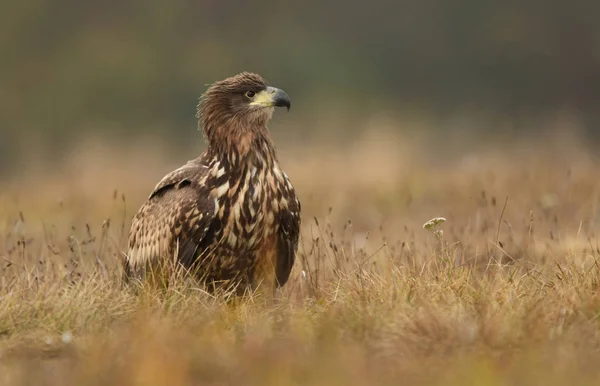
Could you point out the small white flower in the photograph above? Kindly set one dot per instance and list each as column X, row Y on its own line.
column 303, row 275
column 433, row 223
column 66, row 337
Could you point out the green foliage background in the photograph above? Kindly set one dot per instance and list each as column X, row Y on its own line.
column 129, row 67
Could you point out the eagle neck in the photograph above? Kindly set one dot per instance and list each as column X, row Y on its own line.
column 260, row 154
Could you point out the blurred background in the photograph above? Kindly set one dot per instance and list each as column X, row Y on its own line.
column 484, row 112
column 72, row 72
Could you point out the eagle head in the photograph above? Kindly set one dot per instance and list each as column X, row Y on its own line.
column 238, row 105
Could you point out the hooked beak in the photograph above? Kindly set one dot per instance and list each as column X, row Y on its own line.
column 272, row 97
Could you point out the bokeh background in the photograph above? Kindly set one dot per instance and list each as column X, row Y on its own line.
column 118, row 71
column 484, row 112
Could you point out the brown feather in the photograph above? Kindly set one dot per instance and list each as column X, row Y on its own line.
column 174, row 207
column 231, row 215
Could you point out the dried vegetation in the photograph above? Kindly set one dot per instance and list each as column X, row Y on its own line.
column 505, row 291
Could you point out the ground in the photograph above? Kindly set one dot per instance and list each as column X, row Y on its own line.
column 506, row 293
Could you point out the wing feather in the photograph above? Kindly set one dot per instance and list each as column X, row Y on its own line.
column 289, row 233
column 177, row 213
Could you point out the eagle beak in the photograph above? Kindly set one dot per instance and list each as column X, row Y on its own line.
column 279, row 97
column 272, row 97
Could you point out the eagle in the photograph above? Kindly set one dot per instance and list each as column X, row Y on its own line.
column 230, row 216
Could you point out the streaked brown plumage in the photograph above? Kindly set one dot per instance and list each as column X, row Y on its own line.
column 230, row 215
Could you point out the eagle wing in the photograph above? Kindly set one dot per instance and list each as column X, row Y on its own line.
column 288, row 235
column 173, row 220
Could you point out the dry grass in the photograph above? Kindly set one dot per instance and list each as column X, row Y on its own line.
column 508, row 294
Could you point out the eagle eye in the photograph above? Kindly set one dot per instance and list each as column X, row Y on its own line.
column 250, row 94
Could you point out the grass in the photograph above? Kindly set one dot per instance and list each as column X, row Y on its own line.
column 505, row 294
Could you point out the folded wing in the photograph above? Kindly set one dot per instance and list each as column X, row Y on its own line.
column 173, row 222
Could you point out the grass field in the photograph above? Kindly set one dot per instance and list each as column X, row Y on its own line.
column 506, row 294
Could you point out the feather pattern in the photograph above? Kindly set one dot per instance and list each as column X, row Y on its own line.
column 178, row 211
column 231, row 215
